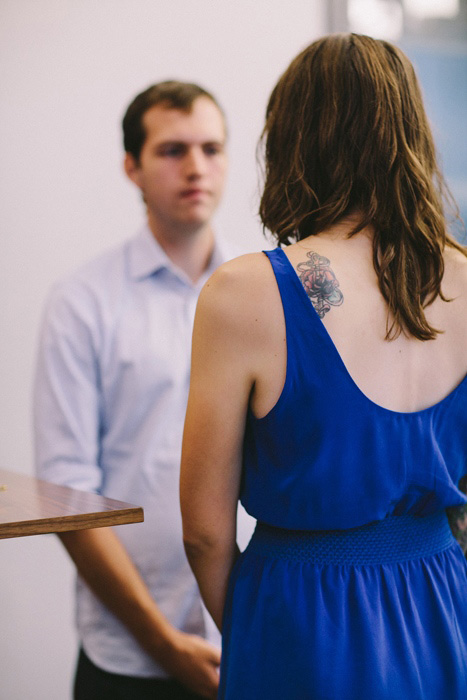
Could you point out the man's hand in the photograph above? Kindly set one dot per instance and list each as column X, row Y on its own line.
column 194, row 663
column 106, row 567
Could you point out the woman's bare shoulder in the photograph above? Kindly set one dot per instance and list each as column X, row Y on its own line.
column 242, row 276
column 243, row 269
column 240, row 291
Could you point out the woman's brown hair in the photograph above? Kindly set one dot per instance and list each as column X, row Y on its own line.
column 346, row 132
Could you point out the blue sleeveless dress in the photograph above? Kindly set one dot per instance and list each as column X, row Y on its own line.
column 352, row 586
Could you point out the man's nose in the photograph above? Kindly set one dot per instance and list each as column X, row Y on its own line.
column 195, row 162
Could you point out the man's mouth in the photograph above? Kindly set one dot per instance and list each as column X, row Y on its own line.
column 193, row 193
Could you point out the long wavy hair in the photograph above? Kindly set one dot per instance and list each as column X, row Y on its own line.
column 346, row 132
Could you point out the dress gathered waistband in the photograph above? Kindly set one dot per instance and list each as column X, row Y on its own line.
column 394, row 539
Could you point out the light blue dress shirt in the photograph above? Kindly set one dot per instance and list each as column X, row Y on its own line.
column 109, row 404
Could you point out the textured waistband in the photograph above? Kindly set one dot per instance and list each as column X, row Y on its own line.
column 394, row 539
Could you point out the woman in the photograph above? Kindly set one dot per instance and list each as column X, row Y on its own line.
column 329, row 393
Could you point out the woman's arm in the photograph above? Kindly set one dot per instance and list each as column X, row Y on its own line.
column 222, row 378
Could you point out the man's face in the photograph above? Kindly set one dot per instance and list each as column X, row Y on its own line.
column 182, row 165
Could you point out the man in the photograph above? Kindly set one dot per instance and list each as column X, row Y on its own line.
column 110, row 398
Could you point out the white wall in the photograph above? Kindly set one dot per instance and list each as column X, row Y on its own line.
column 69, row 68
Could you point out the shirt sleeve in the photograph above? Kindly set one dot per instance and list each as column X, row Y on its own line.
column 67, row 394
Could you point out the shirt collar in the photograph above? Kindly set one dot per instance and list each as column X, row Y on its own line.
column 147, row 257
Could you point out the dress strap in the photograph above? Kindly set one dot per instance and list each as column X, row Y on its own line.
column 306, row 336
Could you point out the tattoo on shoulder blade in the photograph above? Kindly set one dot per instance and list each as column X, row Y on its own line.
column 320, row 283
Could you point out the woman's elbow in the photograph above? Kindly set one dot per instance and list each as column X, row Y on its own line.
column 203, row 542
column 198, row 546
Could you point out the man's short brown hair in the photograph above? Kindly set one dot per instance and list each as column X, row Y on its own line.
column 171, row 94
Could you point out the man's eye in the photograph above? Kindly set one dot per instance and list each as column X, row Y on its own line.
column 212, row 149
column 172, row 151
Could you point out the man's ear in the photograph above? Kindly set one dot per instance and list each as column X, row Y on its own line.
column 132, row 169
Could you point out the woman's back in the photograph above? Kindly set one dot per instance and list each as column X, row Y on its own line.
column 345, row 427
column 404, row 374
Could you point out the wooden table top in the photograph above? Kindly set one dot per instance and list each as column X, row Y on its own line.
column 30, row 506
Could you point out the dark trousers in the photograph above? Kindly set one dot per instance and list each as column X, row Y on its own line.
column 92, row 683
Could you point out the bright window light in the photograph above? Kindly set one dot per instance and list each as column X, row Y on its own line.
column 382, row 19
column 426, row 9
